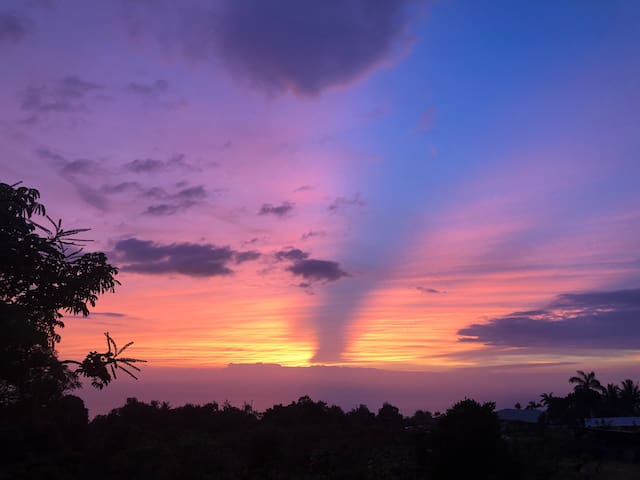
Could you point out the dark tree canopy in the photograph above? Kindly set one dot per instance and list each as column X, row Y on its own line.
column 44, row 273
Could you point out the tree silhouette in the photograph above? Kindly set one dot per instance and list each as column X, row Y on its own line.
column 45, row 273
column 546, row 398
column 587, row 392
column 586, row 382
column 629, row 394
column 467, row 443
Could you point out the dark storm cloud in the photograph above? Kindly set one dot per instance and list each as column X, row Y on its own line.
column 12, row 28
column 305, row 47
column 144, row 256
column 340, row 203
column 429, row 290
column 607, row 320
column 317, row 270
column 65, row 96
column 277, row 210
column 155, row 88
column 291, row 254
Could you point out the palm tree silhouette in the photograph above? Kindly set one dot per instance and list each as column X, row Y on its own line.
column 587, row 393
column 629, row 396
column 546, row 398
column 586, row 382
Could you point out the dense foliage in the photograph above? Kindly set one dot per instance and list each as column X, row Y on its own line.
column 45, row 274
column 309, row 439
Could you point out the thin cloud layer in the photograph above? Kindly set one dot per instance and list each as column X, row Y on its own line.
column 155, row 165
column 605, row 320
column 77, row 172
column 150, row 89
column 196, row 260
column 65, row 96
column 341, row 203
column 429, row 290
column 312, row 233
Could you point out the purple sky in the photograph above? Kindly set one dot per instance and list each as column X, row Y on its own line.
column 407, row 186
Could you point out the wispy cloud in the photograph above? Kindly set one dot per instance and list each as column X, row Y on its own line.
column 148, row 89
column 429, row 290
column 176, row 202
column 342, row 203
column 79, row 173
column 312, row 233
column 154, row 165
column 277, row 210
column 65, row 96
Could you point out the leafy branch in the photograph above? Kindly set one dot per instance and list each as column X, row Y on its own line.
column 101, row 367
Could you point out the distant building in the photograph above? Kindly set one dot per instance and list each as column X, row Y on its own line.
column 612, row 422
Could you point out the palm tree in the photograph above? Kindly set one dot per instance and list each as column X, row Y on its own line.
column 612, row 391
column 546, row 398
column 612, row 399
column 586, row 382
column 533, row 405
column 587, row 393
column 629, row 396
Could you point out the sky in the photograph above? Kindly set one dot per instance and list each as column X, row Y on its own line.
column 444, row 190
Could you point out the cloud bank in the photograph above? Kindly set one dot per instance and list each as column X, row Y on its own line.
column 604, row 320
column 196, row 260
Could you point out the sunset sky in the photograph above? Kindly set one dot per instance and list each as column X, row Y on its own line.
column 399, row 185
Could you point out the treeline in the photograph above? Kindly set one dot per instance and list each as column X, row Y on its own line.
column 303, row 440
